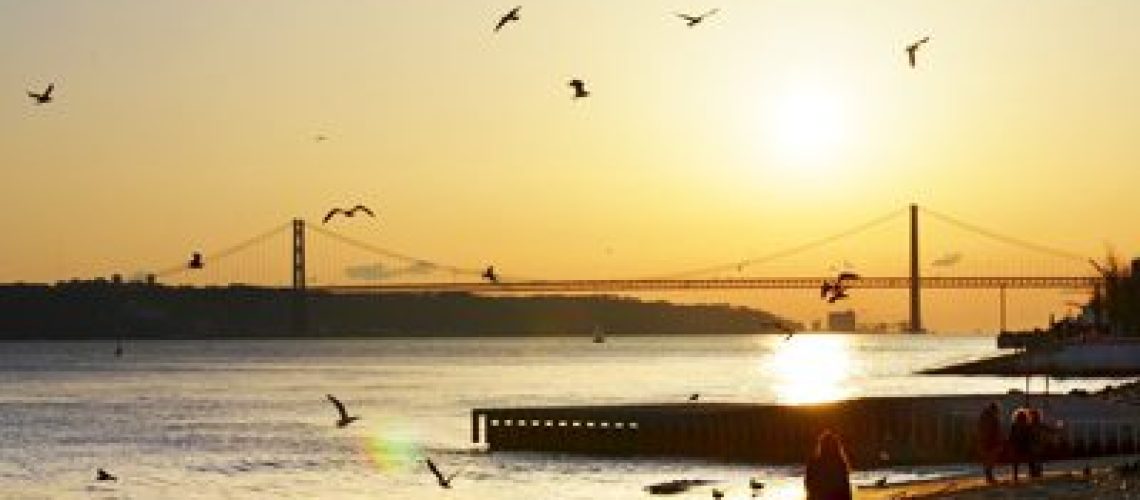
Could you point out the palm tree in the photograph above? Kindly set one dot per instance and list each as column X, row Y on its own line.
column 1116, row 301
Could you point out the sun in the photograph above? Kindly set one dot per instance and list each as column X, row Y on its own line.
column 808, row 128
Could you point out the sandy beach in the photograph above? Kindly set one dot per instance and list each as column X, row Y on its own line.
column 1063, row 480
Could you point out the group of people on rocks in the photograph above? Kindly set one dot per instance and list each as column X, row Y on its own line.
column 1030, row 441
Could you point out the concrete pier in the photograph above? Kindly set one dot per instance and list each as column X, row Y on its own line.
column 877, row 431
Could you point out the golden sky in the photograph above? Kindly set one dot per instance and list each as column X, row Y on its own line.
column 189, row 125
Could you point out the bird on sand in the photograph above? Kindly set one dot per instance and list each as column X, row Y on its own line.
column 43, row 97
column 912, row 48
column 489, row 274
column 195, row 261
column 691, row 20
column 579, row 88
column 444, row 481
column 102, row 475
column 694, row 396
column 347, row 212
column 344, row 418
column 513, row 15
column 755, row 484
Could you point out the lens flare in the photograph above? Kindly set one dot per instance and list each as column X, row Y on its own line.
column 392, row 446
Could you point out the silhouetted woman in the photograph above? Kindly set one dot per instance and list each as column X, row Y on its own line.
column 826, row 477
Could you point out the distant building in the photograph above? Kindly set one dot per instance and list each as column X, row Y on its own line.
column 841, row 321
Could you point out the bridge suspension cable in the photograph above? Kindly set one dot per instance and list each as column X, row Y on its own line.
column 1003, row 238
column 226, row 252
column 412, row 261
column 787, row 251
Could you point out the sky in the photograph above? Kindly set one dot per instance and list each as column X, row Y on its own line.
column 191, row 125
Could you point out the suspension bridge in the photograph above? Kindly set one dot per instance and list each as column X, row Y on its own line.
column 465, row 279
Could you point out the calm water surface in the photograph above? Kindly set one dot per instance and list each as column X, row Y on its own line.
column 248, row 419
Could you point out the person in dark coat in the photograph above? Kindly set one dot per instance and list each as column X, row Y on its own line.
column 990, row 439
column 1037, row 448
column 1021, row 439
column 827, row 471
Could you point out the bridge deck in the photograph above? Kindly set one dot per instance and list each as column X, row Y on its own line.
column 890, row 282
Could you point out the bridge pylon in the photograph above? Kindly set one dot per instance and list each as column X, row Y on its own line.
column 299, row 322
column 915, row 279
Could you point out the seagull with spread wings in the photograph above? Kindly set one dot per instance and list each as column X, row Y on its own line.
column 43, row 97
column 344, row 418
column 347, row 212
column 444, row 481
column 579, row 87
column 691, row 20
column 513, row 15
column 912, row 48
column 490, row 275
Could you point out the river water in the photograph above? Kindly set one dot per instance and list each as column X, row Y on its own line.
column 235, row 419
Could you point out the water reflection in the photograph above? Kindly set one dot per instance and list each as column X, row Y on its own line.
column 812, row 369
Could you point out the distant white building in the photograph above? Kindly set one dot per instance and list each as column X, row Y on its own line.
column 841, row 321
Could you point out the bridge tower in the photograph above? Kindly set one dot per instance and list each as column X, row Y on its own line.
column 915, row 288
column 300, row 318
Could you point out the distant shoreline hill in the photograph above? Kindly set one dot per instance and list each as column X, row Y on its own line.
column 104, row 309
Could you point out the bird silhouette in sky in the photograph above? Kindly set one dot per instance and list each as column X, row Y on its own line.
column 344, row 419
column 118, row 348
column 320, row 138
column 347, row 213
column 43, row 97
column 912, row 48
column 837, row 289
column 489, row 274
column 195, row 261
column 444, row 481
column 513, row 15
column 102, row 475
column 579, row 88
column 691, row 20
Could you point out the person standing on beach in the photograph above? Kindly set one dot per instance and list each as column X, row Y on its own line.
column 1038, row 444
column 827, row 470
column 1021, row 437
column 990, row 439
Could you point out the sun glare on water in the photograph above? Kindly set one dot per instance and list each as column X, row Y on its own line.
column 811, row 369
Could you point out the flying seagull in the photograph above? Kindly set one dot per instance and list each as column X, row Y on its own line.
column 912, row 48
column 513, row 15
column 102, row 475
column 344, row 418
column 320, row 137
column 489, row 274
column 691, row 20
column 195, row 261
column 347, row 213
column 43, row 97
column 444, row 481
column 579, row 88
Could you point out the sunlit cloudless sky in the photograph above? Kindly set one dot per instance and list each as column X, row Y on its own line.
column 183, row 125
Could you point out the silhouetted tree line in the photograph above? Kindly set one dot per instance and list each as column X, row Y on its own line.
column 99, row 309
